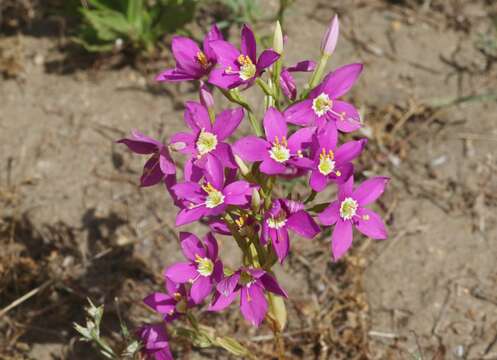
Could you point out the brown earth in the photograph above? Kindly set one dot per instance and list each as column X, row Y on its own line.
column 74, row 224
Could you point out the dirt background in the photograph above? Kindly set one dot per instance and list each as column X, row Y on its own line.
column 74, row 224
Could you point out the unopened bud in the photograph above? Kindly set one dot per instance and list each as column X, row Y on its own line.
column 278, row 38
column 206, row 96
column 256, row 200
column 241, row 165
column 330, row 38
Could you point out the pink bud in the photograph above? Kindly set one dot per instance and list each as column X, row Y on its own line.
column 330, row 38
column 206, row 96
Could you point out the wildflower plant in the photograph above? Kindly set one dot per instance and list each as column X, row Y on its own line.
column 236, row 186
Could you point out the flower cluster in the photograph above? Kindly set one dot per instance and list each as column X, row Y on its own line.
column 233, row 186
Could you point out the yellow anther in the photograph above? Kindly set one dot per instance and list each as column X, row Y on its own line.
column 244, row 60
column 365, row 217
column 284, row 142
column 208, row 188
column 202, row 59
column 299, row 153
column 338, row 173
column 177, row 296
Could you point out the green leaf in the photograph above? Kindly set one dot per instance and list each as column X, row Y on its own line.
column 232, row 346
column 134, row 13
column 196, row 338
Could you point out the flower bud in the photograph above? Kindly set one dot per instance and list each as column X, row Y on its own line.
column 256, row 200
column 244, row 170
column 330, row 38
column 278, row 38
column 206, row 96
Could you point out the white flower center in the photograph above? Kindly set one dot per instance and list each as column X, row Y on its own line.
column 326, row 163
column 214, row 196
column 247, row 68
column 321, row 104
column 279, row 151
column 277, row 222
column 206, row 142
column 348, row 208
column 205, row 266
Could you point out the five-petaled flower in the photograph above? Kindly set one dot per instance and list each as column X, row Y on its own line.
column 349, row 211
column 250, row 284
column 159, row 166
column 206, row 139
column 284, row 215
column 191, row 62
column 213, row 196
column 278, row 154
column 235, row 68
column 203, row 269
column 332, row 163
column 322, row 104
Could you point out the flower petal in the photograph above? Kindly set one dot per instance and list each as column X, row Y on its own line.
column 351, row 121
column 339, row 82
column 253, row 304
column 301, row 139
column 345, row 189
column 214, row 172
column 187, row 216
column 224, row 154
column 185, row 52
column 197, row 116
column 227, row 122
column 251, row 148
column 173, row 75
column 331, row 214
column 303, row 66
column 228, row 284
column 370, row 190
column 160, row 302
column 349, row 151
column 192, row 172
column 271, row 167
column 211, row 246
column 301, row 113
column 221, row 302
column 141, row 145
column 303, row 224
column 248, row 45
column 266, row 59
column 201, row 288
column 371, row 224
column 270, row 284
column 281, row 243
column 218, row 77
column 181, row 272
column 318, row 181
column 287, row 83
column 166, row 164
column 274, row 125
column 341, row 239
column 191, row 246
column 226, row 53
column 152, row 173
column 237, row 193
column 327, row 137
column 188, row 190
column 213, row 35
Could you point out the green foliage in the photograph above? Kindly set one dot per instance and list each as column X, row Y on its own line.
column 137, row 24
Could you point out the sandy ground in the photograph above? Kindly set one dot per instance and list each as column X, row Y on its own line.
column 84, row 228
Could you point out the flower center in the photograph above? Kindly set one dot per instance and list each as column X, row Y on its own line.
column 278, row 221
column 321, row 104
column 348, row 208
column 206, row 142
column 205, row 266
column 247, row 68
column 326, row 163
column 202, row 59
column 214, row 196
column 279, row 151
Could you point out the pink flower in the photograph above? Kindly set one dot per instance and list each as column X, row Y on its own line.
column 171, row 304
column 278, row 155
column 236, row 67
column 287, row 81
column 159, row 166
column 191, row 62
column 213, row 197
column 203, row 268
column 250, row 284
column 349, row 211
column 322, row 104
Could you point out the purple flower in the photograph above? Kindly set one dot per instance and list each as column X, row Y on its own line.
column 171, row 304
column 206, row 139
column 155, row 343
column 203, row 269
column 330, row 163
column 287, row 81
column 211, row 198
column 322, row 104
column 191, row 62
column 349, row 211
column 278, row 155
column 159, row 165
column 284, row 215
column 237, row 68
column 251, row 285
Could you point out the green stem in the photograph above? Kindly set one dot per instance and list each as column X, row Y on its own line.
column 317, row 75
